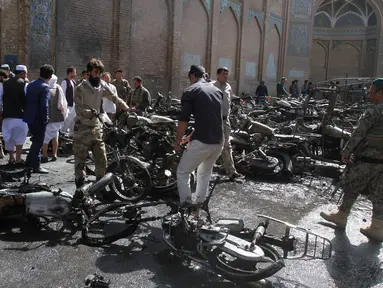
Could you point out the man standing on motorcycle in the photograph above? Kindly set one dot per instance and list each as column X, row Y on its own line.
column 87, row 127
column 204, row 101
column 227, row 155
column 363, row 155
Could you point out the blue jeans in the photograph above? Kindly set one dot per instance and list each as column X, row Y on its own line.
column 34, row 156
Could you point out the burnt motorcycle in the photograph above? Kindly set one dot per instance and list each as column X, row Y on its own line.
column 237, row 253
column 254, row 158
column 47, row 208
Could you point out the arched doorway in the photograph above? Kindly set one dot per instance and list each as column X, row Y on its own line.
column 345, row 39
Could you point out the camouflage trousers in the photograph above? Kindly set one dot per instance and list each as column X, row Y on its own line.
column 86, row 139
column 364, row 178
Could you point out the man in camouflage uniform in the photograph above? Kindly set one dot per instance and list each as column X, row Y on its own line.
column 87, row 128
column 139, row 98
column 364, row 157
column 122, row 85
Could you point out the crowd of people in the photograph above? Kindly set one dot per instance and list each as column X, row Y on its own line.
column 42, row 108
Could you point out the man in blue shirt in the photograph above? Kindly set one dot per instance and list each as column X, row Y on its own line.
column 36, row 115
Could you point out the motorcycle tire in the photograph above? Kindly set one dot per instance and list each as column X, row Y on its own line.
column 140, row 173
column 237, row 275
column 127, row 229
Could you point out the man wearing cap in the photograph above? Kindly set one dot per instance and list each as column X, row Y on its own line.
column 37, row 116
column 363, row 155
column 7, row 69
column 227, row 155
column 204, row 101
column 281, row 88
column 12, row 102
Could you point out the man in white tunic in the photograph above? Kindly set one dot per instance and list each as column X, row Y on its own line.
column 12, row 101
column 68, row 85
column 109, row 106
column 58, row 110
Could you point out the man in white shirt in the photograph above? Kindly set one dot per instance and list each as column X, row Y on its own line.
column 68, row 85
column 12, row 107
column 108, row 106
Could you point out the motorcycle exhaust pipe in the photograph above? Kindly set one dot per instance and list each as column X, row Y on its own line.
column 258, row 234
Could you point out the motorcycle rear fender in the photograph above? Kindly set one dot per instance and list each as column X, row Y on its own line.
column 320, row 243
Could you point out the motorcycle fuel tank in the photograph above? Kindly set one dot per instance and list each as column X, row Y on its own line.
column 48, row 203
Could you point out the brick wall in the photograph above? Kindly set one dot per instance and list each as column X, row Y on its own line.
column 82, row 35
column 194, row 45
column 227, row 45
column 251, row 54
column 149, row 55
column 149, row 38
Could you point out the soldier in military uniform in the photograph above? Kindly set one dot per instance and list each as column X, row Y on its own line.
column 364, row 157
column 122, row 85
column 139, row 98
column 87, row 128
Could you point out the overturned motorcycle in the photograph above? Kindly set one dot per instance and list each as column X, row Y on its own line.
column 237, row 253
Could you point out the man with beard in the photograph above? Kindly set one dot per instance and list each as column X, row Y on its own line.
column 87, row 128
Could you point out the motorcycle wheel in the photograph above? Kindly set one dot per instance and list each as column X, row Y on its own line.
column 133, row 181
column 243, row 271
column 109, row 225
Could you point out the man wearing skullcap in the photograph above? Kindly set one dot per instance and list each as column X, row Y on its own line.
column 281, row 88
column 7, row 69
column 204, row 101
column 363, row 155
column 12, row 106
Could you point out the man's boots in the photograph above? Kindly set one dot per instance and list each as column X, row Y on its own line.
column 339, row 218
column 374, row 231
